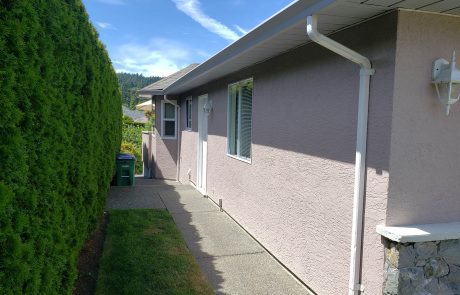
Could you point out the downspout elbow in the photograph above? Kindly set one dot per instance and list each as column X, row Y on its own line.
column 317, row 37
column 165, row 97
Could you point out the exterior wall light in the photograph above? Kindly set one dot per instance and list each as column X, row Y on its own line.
column 446, row 79
column 207, row 107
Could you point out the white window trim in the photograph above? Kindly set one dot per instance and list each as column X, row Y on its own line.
column 187, row 100
column 237, row 156
column 242, row 159
column 163, row 102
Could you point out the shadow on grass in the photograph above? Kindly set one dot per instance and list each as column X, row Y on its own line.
column 159, row 232
column 88, row 260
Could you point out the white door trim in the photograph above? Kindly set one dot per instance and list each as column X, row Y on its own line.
column 202, row 149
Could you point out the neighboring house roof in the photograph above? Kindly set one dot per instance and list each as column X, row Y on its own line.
column 137, row 116
column 286, row 30
column 164, row 83
column 146, row 106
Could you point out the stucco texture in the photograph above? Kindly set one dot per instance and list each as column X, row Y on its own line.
column 189, row 142
column 425, row 153
column 165, row 153
column 296, row 195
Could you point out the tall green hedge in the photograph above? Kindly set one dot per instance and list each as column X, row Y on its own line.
column 60, row 128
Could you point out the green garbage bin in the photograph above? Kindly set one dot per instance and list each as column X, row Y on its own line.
column 125, row 170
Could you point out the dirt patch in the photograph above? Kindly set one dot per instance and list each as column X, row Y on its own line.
column 152, row 230
column 88, row 260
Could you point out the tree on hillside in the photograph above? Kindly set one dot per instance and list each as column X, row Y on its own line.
column 130, row 84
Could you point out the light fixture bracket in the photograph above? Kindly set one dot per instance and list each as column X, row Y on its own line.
column 207, row 107
column 446, row 79
column 438, row 66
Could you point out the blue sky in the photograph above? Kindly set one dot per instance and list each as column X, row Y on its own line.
column 159, row 37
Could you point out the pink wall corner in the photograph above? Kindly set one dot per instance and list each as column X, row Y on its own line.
column 425, row 153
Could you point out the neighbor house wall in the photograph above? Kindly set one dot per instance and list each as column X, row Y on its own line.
column 296, row 195
column 425, row 153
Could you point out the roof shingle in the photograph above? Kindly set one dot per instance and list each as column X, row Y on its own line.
column 167, row 81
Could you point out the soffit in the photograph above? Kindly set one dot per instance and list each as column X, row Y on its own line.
column 286, row 30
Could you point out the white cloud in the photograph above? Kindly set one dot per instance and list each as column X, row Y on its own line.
column 241, row 30
column 160, row 57
column 193, row 9
column 104, row 25
column 112, row 2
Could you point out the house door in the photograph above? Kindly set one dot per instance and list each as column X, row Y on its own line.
column 202, row 143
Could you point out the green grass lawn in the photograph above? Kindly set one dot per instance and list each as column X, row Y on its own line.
column 144, row 253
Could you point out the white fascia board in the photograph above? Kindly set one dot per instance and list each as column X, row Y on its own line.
column 283, row 20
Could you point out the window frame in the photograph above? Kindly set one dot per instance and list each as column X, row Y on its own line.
column 229, row 122
column 163, row 119
column 188, row 113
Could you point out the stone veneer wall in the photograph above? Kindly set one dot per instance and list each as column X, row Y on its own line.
column 422, row 268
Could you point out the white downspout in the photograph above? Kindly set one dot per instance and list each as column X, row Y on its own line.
column 361, row 145
column 178, row 133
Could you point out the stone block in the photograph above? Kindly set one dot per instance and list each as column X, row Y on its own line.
column 425, row 268
column 411, row 280
column 425, row 250
column 450, row 251
column 400, row 255
column 431, row 288
column 436, row 267
column 391, row 280
column 453, row 279
column 420, row 263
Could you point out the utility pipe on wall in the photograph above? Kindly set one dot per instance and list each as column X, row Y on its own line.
column 361, row 146
column 178, row 133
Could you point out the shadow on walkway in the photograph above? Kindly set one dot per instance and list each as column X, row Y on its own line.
column 232, row 261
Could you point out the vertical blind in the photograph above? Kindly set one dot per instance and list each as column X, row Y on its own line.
column 246, row 120
column 240, row 119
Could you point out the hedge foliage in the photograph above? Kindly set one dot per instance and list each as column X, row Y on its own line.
column 131, row 141
column 60, row 129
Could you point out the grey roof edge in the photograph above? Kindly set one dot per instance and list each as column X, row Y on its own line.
column 282, row 20
column 147, row 91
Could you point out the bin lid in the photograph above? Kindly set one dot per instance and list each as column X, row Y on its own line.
column 126, row 157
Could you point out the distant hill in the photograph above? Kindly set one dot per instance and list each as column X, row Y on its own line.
column 130, row 83
column 137, row 116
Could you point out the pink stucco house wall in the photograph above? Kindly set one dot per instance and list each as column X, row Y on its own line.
column 295, row 192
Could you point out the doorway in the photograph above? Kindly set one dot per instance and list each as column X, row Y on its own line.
column 202, row 156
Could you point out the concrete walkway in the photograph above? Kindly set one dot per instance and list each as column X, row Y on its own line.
column 233, row 262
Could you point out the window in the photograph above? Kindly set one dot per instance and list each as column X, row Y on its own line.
column 240, row 119
column 168, row 120
column 188, row 113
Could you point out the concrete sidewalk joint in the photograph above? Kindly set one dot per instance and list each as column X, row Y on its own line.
column 232, row 260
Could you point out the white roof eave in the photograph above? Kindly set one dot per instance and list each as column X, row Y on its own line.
column 286, row 30
column 284, row 19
